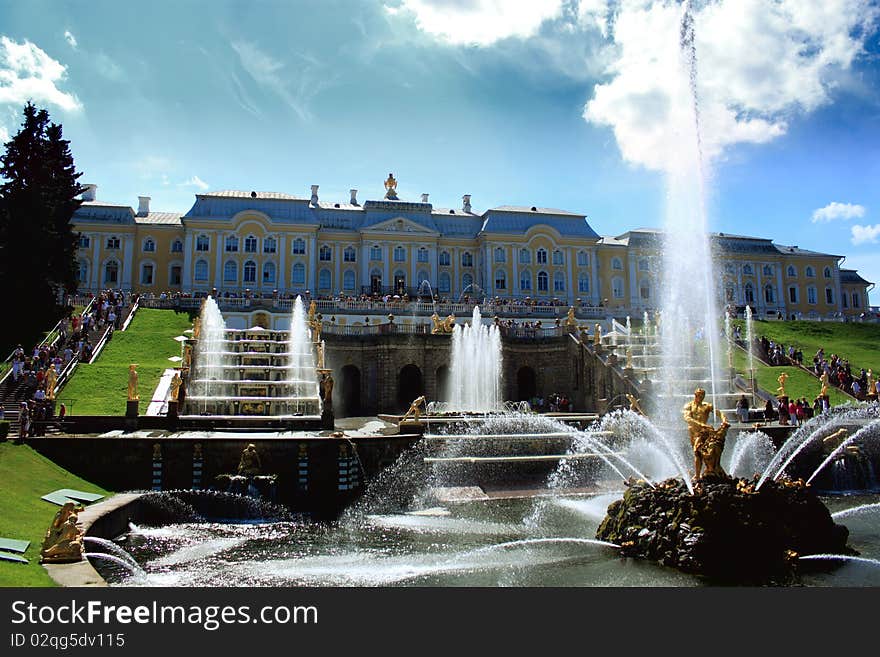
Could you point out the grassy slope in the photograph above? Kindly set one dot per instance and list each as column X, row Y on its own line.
column 101, row 388
column 24, row 477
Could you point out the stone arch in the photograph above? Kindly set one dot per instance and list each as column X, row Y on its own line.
column 350, row 387
column 410, row 385
column 526, row 383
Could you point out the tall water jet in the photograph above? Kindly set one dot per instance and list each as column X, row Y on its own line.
column 475, row 372
column 751, row 346
column 301, row 375
column 210, row 348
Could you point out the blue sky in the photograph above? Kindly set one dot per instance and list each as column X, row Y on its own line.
column 558, row 103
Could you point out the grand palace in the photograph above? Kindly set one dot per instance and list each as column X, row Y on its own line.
column 273, row 243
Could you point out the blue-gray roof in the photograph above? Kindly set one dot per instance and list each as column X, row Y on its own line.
column 511, row 219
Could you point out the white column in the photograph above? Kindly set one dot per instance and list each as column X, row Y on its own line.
column 456, row 283
column 281, row 277
column 218, row 269
column 595, row 287
column 412, row 253
column 95, row 273
column 387, row 253
column 312, row 263
column 187, row 262
column 432, row 257
column 127, row 261
column 572, row 284
column 514, row 288
column 337, row 256
column 780, row 293
column 760, row 291
column 365, row 264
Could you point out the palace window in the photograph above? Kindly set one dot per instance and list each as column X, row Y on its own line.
column 541, row 257
column 643, row 264
column 829, row 296
column 82, row 273
column 811, row 273
column 325, row 253
column 111, row 272
column 525, row 257
column 422, row 254
column 467, row 283
column 175, row 274
column 583, row 283
column 269, row 273
column 558, row 282
column 399, row 254
column 525, row 281
column 811, row 294
column 324, row 279
column 747, row 270
column 298, row 275
column 444, row 284
column 500, row 255
column 203, row 243
column 749, row 293
column 558, row 258
column 250, row 272
column 856, row 300
column 543, row 281
column 270, row 245
column 617, row 264
column 299, row 246
column 376, row 253
column 421, row 277
column 83, row 241
column 349, row 254
column 348, row 280
column 201, row 270
column 793, row 294
column 583, row 259
column 729, row 294
column 177, row 246
column 729, row 268
column 768, row 270
column 444, row 259
column 250, row 244
column 230, row 272
column 113, row 242
column 791, row 271
column 500, row 280
column 146, row 274
column 645, row 290
column 467, row 259
column 149, row 245
column 843, row 300
column 232, row 244
column 769, row 294
column 827, row 272
column 617, row 287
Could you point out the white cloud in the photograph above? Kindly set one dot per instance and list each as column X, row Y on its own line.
column 28, row 73
column 4, row 135
column 68, row 36
column 479, row 22
column 835, row 210
column 865, row 234
column 196, row 182
column 758, row 61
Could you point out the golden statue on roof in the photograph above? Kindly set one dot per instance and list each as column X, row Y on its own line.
column 391, row 188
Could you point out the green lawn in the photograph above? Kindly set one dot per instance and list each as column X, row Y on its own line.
column 24, row 477
column 101, row 388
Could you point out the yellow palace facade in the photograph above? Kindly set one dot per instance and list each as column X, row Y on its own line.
column 268, row 242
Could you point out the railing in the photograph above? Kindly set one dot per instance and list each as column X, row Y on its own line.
column 395, row 328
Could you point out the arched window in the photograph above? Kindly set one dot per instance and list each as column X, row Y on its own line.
column 201, row 271
column 230, row 272
column 558, row 258
column 829, row 296
column 768, row 270
column 791, row 271
column 769, row 294
column 583, row 283
column 811, row 273
column 525, row 257
column 147, row 270
column 348, row 279
column 500, row 255
column 324, row 279
column 843, row 301
column 617, row 263
column 467, row 259
column 250, row 244
column 500, row 280
column 177, row 246
column 149, row 245
column 856, row 300
column 112, row 242
column 645, row 290
column 376, row 253
column 325, row 253
column 83, row 241
column 232, row 244
column 747, row 270
column 583, row 259
column 349, row 254
column 811, row 294
column 83, row 272
column 543, row 281
column 749, row 292
column 421, row 276
column 826, row 272
column 525, row 281
column 558, row 282
column 270, row 245
column 423, row 254
column 399, row 254
column 298, row 275
column 268, row 273
column 111, row 272
column 467, row 283
column 643, row 264
column 444, row 284
column 793, row 294
column 617, row 287
column 299, row 246
column 541, row 257
column 445, row 259
column 250, row 272
column 203, row 243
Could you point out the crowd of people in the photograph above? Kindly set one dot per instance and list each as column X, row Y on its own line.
column 553, row 403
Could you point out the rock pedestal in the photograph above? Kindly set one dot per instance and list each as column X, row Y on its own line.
column 725, row 530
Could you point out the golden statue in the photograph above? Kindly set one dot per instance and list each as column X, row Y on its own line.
column 315, row 322
column 629, row 358
column 597, row 334
column 442, row 326
column 872, row 386
column 833, row 441
column 634, row 405
column 249, row 465
column 414, row 409
column 782, row 379
column 327, row 389
column 63, row 540
column 391, row 188
column 174, row 387
column 570, row 321
column 313, row 308
column 320, row 348
column 197, row 327
column 707, row 441
column 823, row 391
column 187, row 356
column 133, row 383
column 51, row 379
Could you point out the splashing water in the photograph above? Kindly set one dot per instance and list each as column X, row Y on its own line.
column 475, row 371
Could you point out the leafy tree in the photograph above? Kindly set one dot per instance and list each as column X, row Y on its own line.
column 38, row 196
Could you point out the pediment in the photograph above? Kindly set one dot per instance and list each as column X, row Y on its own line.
column 399, row 225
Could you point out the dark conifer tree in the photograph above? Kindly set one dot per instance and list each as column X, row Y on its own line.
column 38, row 196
